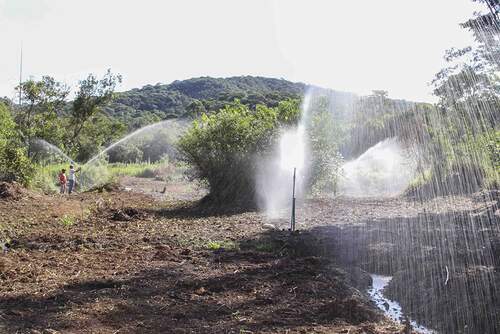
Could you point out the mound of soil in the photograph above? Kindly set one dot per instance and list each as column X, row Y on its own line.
column 107, row 187
column 12, row 191
column 125, row 214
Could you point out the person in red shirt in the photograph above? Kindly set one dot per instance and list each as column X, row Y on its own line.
column 62, row 180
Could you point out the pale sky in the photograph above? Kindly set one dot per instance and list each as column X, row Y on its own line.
column 357, row 46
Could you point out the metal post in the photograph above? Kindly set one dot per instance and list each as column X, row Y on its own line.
column 292, row 220
column 21, row 77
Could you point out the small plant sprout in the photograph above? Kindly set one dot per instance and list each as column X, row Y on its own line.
column 67, row 221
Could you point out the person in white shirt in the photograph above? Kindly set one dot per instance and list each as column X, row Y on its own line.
column 72, row 178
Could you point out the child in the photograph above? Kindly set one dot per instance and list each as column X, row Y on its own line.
column 62, row 180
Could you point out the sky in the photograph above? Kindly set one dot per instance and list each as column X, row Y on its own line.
column 356, row 46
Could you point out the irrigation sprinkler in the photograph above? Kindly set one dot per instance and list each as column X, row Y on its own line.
column 292, row 220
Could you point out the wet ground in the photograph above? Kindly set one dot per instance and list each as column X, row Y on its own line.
column 128, row 262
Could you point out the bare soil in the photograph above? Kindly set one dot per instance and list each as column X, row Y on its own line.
column 123, row 261
column 129, row 261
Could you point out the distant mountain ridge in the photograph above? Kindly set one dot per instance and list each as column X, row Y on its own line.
column 185, row 98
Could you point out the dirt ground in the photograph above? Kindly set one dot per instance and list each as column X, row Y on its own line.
column 142, row 259
column 123, row 261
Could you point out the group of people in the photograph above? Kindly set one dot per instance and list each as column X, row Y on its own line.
column 68, row 184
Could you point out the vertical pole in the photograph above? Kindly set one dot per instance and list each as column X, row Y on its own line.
column 21, row 76
column 292, row 220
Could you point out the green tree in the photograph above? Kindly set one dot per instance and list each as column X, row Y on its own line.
column 92, row 96
column 14, row 162
column 325, row 138
column 224, row 146
column 43, row 106
column 465, row 124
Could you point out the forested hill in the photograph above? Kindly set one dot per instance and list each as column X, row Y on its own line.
column 191, row 97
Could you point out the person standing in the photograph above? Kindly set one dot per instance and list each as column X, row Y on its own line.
column 62, row 181
column 72, row 178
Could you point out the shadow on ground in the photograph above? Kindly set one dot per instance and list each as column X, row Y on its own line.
column 273, row 281
column 247, row 290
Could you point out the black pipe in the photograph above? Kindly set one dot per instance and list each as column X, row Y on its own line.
column 292, row 220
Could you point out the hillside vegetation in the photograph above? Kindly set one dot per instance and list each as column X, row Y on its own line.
column 189, row 98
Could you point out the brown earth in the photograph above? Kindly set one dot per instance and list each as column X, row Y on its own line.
column 130, row 261
column 123, row 262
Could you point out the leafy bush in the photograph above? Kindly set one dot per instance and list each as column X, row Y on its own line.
column 224, row 146
column 14, row 162
column 15, row 165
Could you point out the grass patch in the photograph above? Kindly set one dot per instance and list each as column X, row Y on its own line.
column 46, row 177
column 216, row 245
column 266, row 246
column 67, row 221
column 147, row 170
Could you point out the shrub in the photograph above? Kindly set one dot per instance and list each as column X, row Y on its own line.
column 14, row 162
column 15, row 165
column 223, row 147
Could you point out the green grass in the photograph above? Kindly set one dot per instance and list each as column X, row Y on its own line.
column 46, row 177
column 420, row 179
column 135, row 169
column 216, row 245
column 67, row 221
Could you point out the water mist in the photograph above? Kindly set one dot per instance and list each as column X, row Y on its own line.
column 383, row 170
column 275, row 174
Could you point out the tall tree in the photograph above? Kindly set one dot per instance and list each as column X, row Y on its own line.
column 44, row 102
column 93, row 94
column 466, row 125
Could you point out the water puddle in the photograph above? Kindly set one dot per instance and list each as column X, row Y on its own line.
column 391, row 308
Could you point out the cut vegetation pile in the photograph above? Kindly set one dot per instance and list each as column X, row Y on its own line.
column 11, row 191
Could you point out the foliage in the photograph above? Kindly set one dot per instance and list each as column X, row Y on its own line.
column 7, row 125
column 326, row 133
column 151, row 146
column 193, row 97
column 67, row 221
column 14, row 163
column 465, row 127
column 224, row 146
column 78, row 128
column 136, row 169
column 92, row 95
column 46, row 176
column 43, row 105
column 96, row 133
column 377, row 117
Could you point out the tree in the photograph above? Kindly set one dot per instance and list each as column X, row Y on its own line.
column 93, row 94
column 14, row 163
column 466, row 122
column 195, row 109
column 43, row 105
column 224, row 146
column 101, row 131
column 325, row 136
